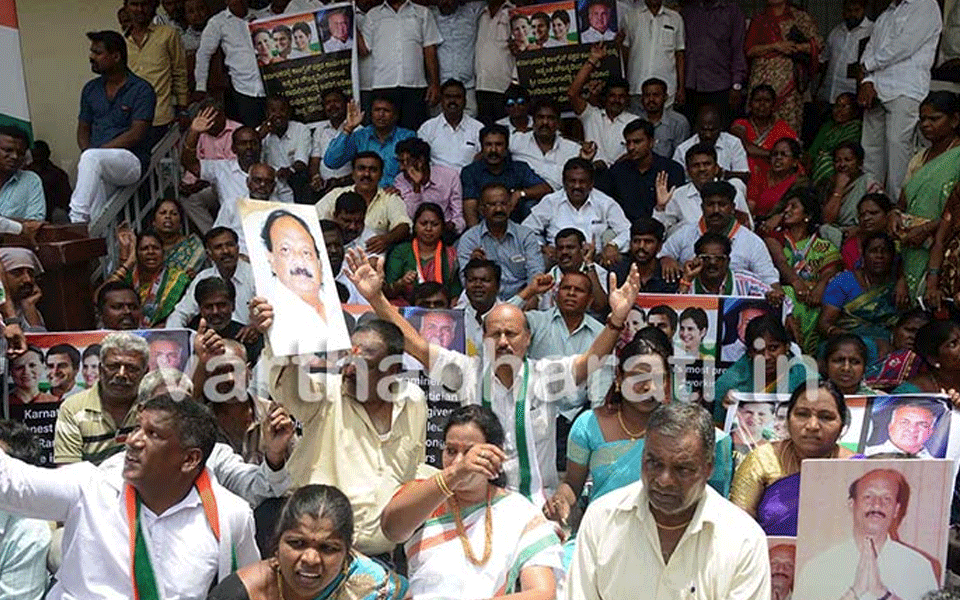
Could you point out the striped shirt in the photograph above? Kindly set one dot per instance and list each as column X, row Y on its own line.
column 86, row 432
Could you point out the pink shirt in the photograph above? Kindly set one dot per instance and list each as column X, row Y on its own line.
column 214, row 147
column 443, row 189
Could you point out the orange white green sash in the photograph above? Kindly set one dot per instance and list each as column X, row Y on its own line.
column 145, row 586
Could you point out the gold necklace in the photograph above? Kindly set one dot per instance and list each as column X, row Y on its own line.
column 673, row 527
column 623, row 426
column 462, row 533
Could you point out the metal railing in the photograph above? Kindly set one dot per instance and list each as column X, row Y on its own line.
column 133, row 204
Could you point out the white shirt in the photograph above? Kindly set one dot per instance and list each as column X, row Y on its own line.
column 685, row 205
column 842, row 50
column 494, row 63
column 323, row 134
column 296, row 324
column 901, row 50
column 396, row 40
column 888, row 447
column 548, row 379
column 96, row 549
column 548, row 166
column 592, row 36
column 598, row 218
column 731, row 156
column 903, row 571
column 282, row 151
column 722, row 555
column 230, row 182
column 653, row 42
column 452, row 146
column 253, row 483
column 364, row 63
column 597, row 127
column 510, row 126
column 242, row 281
column 748, row 251
column 230, row 32
column 336, row 45
column 457, row 53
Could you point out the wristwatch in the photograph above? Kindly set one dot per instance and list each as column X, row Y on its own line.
column 13, row 321
column 737, row 86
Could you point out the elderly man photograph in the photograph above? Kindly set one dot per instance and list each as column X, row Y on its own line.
column 165, row 504
column 911, row 425
column 506, row 378
column 294, row 260
column 682, row 538
column 872, row 563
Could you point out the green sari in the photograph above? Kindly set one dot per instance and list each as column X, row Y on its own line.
column 828, row 138
column 926, row 190
column 809, row 258
column 188, row 255
column 847, row 216
column 871, row 315
column 160, row 296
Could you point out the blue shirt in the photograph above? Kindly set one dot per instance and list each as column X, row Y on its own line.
column 21, row 197
column 516, row 175
column 134, row 101
column 345, row 146
column 518, row 254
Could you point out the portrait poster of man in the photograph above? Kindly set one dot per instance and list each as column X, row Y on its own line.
column 872, row 528
column 302, row 55
column 58, row 365
column 291, row 269
column 552, row 41
column 783, row 563
column 756, row 419
column 446, row 328
column 736, row 314
column 911, row 424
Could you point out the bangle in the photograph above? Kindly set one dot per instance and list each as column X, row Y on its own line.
column 442, row 484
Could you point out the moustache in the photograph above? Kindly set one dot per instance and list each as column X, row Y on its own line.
column 302, row 272
column 876, row 513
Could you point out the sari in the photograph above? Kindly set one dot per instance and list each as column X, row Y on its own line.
column 870, row 314
column 521, row 538
column 789, row 76
column 403, row 258
column 188, row 255
column 759, row 167
column 766, row 198
column 828, row 138
column 887, row 373
column 809, row 258
column 847, row 215
column 159, row 296
column 926, row 189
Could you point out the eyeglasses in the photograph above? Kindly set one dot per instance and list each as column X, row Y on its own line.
column 514, row 101
column 712, row 258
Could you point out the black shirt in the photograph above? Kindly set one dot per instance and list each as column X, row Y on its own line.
column 634, row 191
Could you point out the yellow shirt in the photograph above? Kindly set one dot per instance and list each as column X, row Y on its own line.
column 384, row 212
column 162, row 62
column 341, row 447
column 86, row 432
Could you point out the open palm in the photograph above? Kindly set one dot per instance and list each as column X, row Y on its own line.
column 367, row 279
column 622, row 299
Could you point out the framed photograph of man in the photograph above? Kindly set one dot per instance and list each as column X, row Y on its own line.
column 913, row 425
column 735, row 315
column 783, row 563
column 598, row 21
column 336, row 29
column 872, row 528
column 292, row 271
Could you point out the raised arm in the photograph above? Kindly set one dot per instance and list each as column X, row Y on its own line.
column 39, row 493
column 621, row 300
column 369, row 282
column 201, row 123
column 577, row 101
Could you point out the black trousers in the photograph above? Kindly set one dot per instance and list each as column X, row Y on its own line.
column 413, row 108
column 249, row 110
column 491, row 106
column 719, row 99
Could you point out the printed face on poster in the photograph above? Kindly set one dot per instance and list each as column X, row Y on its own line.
column 783, row 562
column 862, row 520
column 914, row 425
column 303, row 55
column 59, row 365
column 291, row 269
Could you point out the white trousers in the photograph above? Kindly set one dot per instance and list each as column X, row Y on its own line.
column 889, row 140
column 99, row 172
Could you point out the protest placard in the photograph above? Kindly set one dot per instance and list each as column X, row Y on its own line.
column 292, row 271
column 553, row 41
column 59, row 365
column 303, row 55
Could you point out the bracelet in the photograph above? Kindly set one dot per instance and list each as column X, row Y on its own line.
column 615, row 327
column 442, row 484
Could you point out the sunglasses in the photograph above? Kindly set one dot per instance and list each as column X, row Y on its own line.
column 515, row 101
